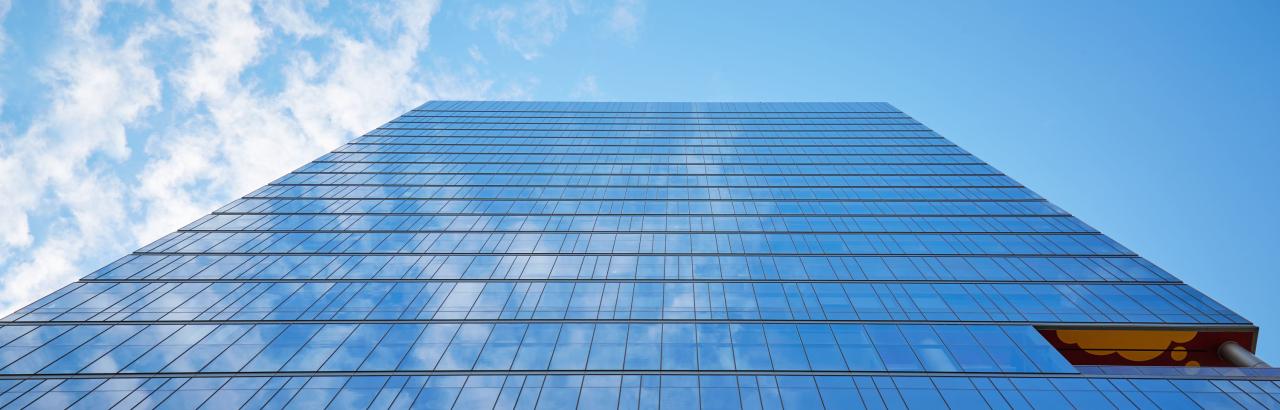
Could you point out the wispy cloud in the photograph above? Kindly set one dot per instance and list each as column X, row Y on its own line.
column 476, row 55
column 58, row 168
column 150, row 116
column 198, row 105
column 292, row 17
column 625, row 18
column 4, row 41
column 586, row 88
column 527, row 28
column 4, row 11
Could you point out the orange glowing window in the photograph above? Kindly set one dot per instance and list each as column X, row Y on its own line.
column 1135, row 347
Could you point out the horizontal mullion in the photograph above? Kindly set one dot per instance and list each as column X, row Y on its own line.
column 1056, row 325
column 628, row 163
column 644, row 280
column 990, row 255
column 417, row 114
column 955, row 154
column 549, row 129
column 627, row 118
column 645, row 174
column 653, row 200
column 805, row 215
column 237, row 375
column 644, row 145
column 887, row 115
column 453, row 134
column 666, row 137
column 417, row 110
column 194, row 375
column 699, row 232
column 646, row 123
column 651, row 186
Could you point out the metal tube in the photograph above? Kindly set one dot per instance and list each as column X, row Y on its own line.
column 1236, row 354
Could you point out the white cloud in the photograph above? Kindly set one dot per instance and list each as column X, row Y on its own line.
column 58, row 167
column 183, row 101
column 4, row 10
column 225, row 38
column 476, row 55
column 4, row 41
column 155, row 122
column 247, row 138
column 528, row 28
column 625, row 17
column 586, row 88
column 292, row 17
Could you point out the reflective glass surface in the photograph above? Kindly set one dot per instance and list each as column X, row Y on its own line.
column 621, row 255
column 645, row 392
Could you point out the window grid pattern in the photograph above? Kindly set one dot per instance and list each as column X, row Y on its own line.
column 609, row 243
column 556, row 392
column 655, row 208
column 621, row 224
column 489, row 300
column 630, row 255
column 106, row 349
column 860, row 268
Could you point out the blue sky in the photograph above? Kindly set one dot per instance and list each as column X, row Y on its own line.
column 1152, row 121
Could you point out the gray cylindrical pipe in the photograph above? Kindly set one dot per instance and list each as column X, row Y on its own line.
column 1236, row 354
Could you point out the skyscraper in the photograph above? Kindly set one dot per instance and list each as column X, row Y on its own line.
column 635, row 255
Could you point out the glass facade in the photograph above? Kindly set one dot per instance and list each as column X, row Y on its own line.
column 556, row 255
